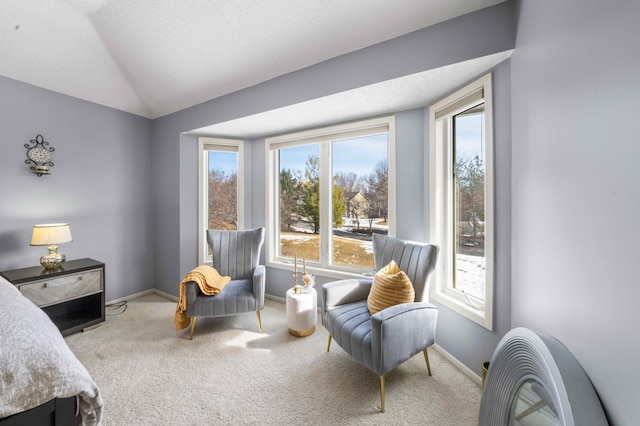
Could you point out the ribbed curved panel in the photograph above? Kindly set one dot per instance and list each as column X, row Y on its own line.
column 521, row 356
column 350, row 326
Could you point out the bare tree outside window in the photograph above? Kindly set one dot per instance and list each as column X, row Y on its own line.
column 222, row 190
column 348, row 181
column 469, row 202
column 361, row 174
column 360, row 180
column 378, row 189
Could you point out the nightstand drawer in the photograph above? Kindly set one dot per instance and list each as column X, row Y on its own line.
column 59, row 289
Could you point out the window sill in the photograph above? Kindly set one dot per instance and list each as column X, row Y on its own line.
column 461, row 307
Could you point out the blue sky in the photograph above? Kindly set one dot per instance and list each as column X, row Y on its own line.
column 356, row 155
column 469, row 132
column 225, row 160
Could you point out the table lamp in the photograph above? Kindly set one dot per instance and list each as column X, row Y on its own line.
column 50, row 235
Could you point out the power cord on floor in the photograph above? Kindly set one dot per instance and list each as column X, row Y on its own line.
column 120, row 307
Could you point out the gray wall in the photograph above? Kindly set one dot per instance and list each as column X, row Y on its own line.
column 99, row 184
column 174, row 155
column 442, row 44
column 468, row 342
column 576, row 187
column 412, row 223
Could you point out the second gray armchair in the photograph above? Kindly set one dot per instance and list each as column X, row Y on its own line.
column 386, row 339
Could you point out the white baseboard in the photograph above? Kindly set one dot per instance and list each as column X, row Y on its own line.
column 460, row 366
column 131, row 296
column 144, row 293
column 166, row 295
column 276, row 298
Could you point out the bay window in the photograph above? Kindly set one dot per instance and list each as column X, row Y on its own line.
column 328, row 192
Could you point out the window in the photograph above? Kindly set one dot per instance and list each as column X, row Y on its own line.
column 461, row 200
column 328, row 193
column 220, row 189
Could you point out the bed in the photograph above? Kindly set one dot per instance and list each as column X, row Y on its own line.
column 41, row 380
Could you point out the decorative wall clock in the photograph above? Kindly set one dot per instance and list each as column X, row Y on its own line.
column 39, row 155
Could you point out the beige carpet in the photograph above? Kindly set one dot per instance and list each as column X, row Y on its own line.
column 231, row 374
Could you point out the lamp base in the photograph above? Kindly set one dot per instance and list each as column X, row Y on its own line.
column 53, row 260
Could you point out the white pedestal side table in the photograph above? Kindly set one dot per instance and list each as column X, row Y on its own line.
column 302, row 312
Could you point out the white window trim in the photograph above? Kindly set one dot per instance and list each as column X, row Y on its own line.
column 205, row 144
column 352, row 129
column 441, row 289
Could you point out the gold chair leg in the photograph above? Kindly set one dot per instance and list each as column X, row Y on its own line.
column 329, row 343
column 259, row 321
column 426, row 358
column 193, row 327
column 382, row 394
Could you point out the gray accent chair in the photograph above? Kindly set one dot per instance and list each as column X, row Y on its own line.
column 235, row 254
column 385, row 340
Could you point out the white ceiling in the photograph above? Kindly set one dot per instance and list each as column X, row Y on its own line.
column 155, row 57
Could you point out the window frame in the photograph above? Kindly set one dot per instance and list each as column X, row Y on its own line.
column 323, row 136
column 441, row 216
column 210, row 144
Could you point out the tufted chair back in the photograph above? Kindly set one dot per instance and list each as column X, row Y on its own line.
column 417, row 260
column 236, row 253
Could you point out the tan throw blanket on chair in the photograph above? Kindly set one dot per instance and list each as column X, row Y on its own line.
column 210, row 283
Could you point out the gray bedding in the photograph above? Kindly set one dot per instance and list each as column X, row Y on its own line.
column 36, row 365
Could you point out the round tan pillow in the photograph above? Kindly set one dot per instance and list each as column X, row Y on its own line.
column 390, row 287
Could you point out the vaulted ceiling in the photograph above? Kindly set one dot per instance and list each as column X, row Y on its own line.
column 155, row 57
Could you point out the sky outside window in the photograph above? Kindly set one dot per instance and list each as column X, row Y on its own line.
column 227, row 161
column 357, row 155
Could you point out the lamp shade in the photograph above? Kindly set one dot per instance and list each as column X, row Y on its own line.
column 50, row 234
